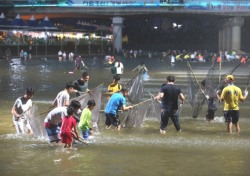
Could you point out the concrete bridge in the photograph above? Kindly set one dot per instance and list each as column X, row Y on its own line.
column 232, row 14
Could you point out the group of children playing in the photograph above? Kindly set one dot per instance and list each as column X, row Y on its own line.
column 61, row 121
column 68, row 129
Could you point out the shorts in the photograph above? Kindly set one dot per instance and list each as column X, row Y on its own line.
column 52, row 131
column 112, row 119
column 231, row 116
column 22, row 126
column 85, row 134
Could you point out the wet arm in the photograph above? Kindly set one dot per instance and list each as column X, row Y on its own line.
column 54, row 104
column 13, row 111
column 220, row 98
column 124, row 108
column 75, row 132
column 182, row 97
column 159, row 96
column 243, row 98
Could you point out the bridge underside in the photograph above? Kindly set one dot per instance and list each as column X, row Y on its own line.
column 204, row 28
column 60, row 12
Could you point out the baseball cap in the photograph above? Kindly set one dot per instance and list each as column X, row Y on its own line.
column 230, row 78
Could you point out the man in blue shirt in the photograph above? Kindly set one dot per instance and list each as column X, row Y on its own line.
column 116, row 101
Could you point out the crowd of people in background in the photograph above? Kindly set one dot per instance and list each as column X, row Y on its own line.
column 202, row 56
column 172, row 56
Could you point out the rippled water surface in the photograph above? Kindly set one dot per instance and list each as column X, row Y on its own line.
column 202, row 148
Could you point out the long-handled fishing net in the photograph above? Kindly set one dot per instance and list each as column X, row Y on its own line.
column 135, row 89
column 211, row 86
column 36, row 122
column 248, row 78
column 156, row 107
column 223, row 84
column 196, row 96
column 96, row 95
column 137, row 114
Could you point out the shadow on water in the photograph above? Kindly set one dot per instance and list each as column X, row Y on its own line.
column 200, row 148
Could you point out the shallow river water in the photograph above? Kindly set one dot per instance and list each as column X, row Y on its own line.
column 202, row 148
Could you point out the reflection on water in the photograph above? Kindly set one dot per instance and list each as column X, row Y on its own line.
column 203, row 148
column 17, row 75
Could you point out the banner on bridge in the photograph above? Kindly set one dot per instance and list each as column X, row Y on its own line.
column 218, row 5
column 108, row 3
column 208, row 5
column 120, row 3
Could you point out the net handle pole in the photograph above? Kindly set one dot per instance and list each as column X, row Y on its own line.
column 102, row 110
column 247, row 82
column 83, row 93
column 89, row 92
column 160, row 101
column 28, row 109
column 52, row 107
column 231, row 72
column 80, row 139
column 153, row 96
column 141, row 102
column 48, row 109
column 220, row 72
column 25, row 112
column 196, row 80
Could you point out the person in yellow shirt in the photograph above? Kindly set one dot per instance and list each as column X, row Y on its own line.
column 114, row 86
column 178, row 57
column 231, row 95
column 186, row 57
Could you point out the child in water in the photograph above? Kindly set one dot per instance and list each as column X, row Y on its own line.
column 85, row 119
column 68, row 129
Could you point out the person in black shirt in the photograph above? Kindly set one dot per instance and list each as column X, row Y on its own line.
column 169, row 95
column 81, row 84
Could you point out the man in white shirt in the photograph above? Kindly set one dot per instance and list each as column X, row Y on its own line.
column 54, row 118
column 62, row 98
column 60, row 53
column 22, row 105
column 119, row 67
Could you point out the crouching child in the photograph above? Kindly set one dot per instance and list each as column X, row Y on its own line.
column 85, row 120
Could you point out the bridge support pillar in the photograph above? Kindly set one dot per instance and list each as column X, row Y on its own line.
column 236, row 33
column 228, row 29
column 230, row 34
column 117, row 33
column 221, row 39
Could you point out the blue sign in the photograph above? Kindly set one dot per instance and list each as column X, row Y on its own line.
column 218, row 5
column 108, row 3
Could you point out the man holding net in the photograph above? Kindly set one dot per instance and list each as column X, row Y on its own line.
column 169, row 95
column 22, row 105
column 116, row 101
